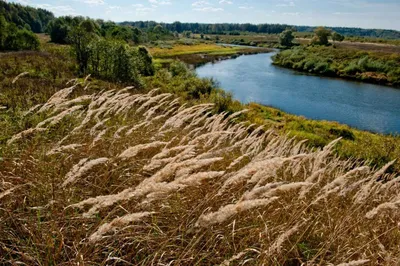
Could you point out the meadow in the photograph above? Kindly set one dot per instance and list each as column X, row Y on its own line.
column 93, row 174
column 248, row 39
column 196, row 53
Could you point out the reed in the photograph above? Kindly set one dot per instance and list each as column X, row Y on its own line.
column 139, row 178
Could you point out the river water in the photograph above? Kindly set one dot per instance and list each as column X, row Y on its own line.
column 253, row 78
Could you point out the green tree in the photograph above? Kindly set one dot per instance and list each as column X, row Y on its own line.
column 81, row 41
column 145, row 64
column 26, row 40
column 26, row 17
column 187, row 34
column 337, row 37
column 286, row 38
column 3, row 31
column 90, row 26
column 122, row 33
column 136, row 35
column 14, row 39
column 321, row 36
column 59, row 30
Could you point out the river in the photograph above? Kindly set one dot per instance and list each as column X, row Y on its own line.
column 253, row 78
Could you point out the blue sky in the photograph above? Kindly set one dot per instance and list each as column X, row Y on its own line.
column 352, row 13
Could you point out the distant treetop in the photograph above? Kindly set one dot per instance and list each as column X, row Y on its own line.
column 226, row 28
column 33, row 19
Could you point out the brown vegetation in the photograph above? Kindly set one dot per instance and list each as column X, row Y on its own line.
column 123, row 177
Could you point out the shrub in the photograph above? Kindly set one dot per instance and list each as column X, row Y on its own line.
column 222, row 100
column 342, row 132
column 178, row 68
column 145, row 62
column 197, row 87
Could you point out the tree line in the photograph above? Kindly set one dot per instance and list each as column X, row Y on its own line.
column 205, row 28
column 37, row 20
column 29, row 18
column 229, row 28
column 374, row 33
column 60, row 28
column 13, row 38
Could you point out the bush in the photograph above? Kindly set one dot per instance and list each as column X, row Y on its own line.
column 14, row 39
column 223, row 100
column 342, row 132
column 196, row 87
column 178, row 68
column 145, row 62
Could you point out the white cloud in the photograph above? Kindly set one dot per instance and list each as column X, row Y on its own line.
column 205, row 6
column 289, row 4
column 225, row 2
column 58, row 10
column 94, row 2
column 209, row 9
column 246, row 7
column 292, row 13
column 160, row 2
column 201, row 3
column 142, row 10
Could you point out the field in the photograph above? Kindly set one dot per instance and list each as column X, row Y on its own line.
column 261, row 40
column 379, row 47
column 121, row 176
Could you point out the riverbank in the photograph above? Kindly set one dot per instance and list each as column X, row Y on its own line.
column 253, row 78
column 372, row 67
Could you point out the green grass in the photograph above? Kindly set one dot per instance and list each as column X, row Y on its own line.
column 198, row 53
column 250, row 39
column 377, row 149
column 200, row 48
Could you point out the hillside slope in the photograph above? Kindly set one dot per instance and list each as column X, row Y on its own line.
column 136, row 178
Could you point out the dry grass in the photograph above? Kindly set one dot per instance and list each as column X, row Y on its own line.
column 137, row 179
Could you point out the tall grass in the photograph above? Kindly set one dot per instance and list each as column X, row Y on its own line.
column 138, row 178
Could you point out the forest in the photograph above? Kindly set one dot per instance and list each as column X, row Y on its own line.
column 231, row 28
column 33, row 19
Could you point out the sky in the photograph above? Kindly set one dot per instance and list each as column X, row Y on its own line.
column 383, row 14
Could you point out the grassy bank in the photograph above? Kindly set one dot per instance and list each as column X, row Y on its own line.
column 381, row 68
